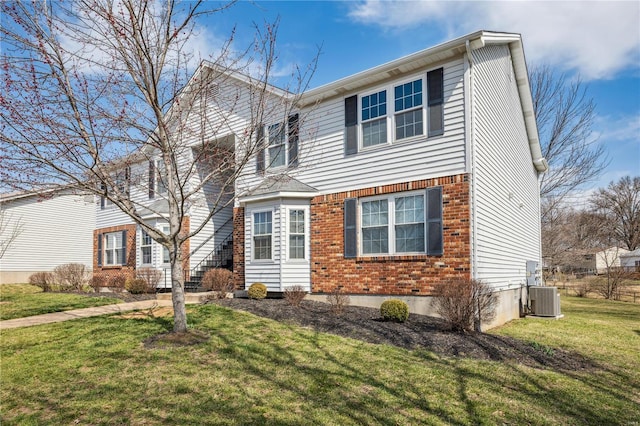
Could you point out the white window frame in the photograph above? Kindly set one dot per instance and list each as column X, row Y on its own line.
column 254, row 235
column 114, row 237
column 160, row 187
column 391, row 113
column 304, row 234
column 143, row 235
column 284, row 146
column 391, row 224
column 164, row 252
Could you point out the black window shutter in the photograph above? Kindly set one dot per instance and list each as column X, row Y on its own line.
column 152, row 179
column 294, row 130
column 351, row 125
column 260, row 158
column 102, row 199
column 434, row 221
column 435, row 83
column 99, row 249
column 350, row 228
column 127, row 181
column 123, row 260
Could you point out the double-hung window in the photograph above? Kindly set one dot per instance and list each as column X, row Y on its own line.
column 114, row 248
column 393, row 225
column 165, row 251
column 146, row 246
column 296, row 234
column 262, row 241
column 375, row 226
column 374, row 119
column 277, row 145
column 397, row 224
column 408, row 107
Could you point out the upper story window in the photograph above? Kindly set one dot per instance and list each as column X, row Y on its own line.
column 277, row 145
column 409, row 112
column 122, row 182
column 374, row 122
column 262, row 230
column 157, row 178
column 368, row 122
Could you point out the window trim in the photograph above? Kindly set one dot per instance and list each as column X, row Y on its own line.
column 305, row 233
column 391, row 114
column 143, row 233
column 254, row 234
column 391, row 224
column 165, row 229
column 290, row 129
column 117, row 261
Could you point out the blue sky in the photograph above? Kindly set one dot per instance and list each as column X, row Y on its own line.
column 600, row 41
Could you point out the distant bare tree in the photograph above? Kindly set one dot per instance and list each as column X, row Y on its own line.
column 618, row 206
column 10, row 230
column 564, row 115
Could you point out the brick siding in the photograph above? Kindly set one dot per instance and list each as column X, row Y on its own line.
column 238, row 247
column 399, row 275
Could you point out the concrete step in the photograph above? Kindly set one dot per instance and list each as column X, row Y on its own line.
column 189, row 298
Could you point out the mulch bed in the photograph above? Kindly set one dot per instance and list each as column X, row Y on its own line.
column 418, row 332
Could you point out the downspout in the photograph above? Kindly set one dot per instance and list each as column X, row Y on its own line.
column 471, row 159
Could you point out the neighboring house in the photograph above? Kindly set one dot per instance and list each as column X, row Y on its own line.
column 54, row 228
column 390, row 182
column 609, row 258
column 630, row 261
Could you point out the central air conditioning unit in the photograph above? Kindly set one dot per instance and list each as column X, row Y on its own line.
column 545, row 301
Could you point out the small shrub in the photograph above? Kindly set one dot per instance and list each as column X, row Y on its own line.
column 151, row 276
column 44, row 280
column 465, row 303
column 583, row 289
column 118, row 280
column 394, row 310
column 294, row 295
column 98, row 281
column 218, row 280
column 338, row 301
column 257, row 291
column 72, row 276
column 136, row 286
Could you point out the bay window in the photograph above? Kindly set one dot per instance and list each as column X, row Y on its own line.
column 262, row 230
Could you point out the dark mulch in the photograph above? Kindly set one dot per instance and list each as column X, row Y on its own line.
column 419, row 332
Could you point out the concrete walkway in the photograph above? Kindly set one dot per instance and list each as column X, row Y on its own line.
column 82, row 313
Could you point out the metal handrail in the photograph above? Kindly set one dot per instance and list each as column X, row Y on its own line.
column 218, row 229
column 212, row 254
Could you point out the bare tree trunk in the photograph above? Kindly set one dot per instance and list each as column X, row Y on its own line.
column 177, row 291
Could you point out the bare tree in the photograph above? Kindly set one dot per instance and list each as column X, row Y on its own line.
column 10, row 230
column 93, row 89
column 564, row 115
column 618, row 205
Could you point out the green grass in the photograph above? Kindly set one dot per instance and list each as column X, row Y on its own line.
column 257, row 371
column 23, row 300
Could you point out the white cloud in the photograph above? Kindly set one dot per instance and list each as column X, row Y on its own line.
column 595, row 38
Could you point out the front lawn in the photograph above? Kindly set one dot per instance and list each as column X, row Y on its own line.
column 257, row 371
column 23, row 300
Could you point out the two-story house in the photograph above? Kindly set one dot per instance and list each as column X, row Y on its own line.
column 389, row 182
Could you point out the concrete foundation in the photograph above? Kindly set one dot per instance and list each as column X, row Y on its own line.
column 508, row 306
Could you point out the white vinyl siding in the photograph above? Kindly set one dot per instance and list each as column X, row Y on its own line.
column 55, row 230
column 505, row 193
column 324, row 166
column 282, row 271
